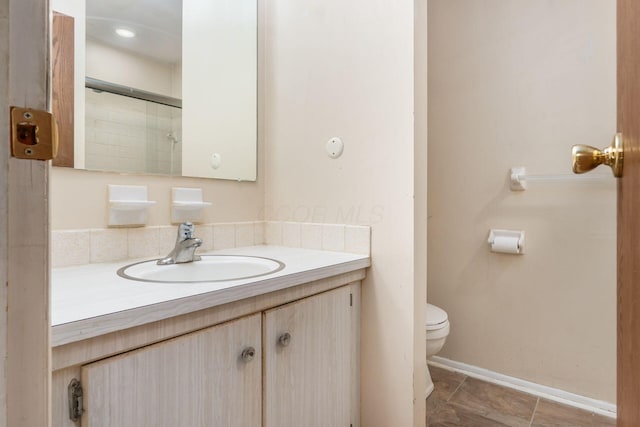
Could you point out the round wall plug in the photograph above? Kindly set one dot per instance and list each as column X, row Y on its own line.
column 216, row 160
column 335, row 147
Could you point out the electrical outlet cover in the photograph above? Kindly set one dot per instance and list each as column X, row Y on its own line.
column 335, row 147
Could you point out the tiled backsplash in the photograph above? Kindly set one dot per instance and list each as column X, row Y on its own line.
column 328, row 237
column 77, row 247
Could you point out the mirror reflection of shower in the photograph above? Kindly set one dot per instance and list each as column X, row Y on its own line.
column 131, row 134
column 173, row 143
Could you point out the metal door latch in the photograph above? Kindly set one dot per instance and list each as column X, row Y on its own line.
column 34, row 134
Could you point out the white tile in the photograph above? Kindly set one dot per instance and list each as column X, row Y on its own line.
column 333, row 237
column 357, row 239
column 244, row 234
column 143, row 242
column 70, row 247
column 311, row 236
column 205, row 233
column 258, row 233
column 108, row 245
column 273, row 233
column 224, row 236
column 291, row 234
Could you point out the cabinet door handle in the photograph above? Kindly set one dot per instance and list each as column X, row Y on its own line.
column 248, row 354
column 284, row 339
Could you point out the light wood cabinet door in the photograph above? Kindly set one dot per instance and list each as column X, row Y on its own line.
column 199, row 379
column 311, row 376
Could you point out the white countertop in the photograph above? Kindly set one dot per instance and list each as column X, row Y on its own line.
column 92, row 300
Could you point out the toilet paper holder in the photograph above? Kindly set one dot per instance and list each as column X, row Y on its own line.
column 506, row 241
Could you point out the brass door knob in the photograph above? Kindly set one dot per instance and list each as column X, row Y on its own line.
column 586, row 158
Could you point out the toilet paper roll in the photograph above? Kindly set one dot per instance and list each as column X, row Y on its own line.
column 505, row 245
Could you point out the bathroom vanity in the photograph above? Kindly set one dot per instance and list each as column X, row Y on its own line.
column 277, row 350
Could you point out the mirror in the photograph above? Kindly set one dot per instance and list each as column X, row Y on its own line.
column 170, row 88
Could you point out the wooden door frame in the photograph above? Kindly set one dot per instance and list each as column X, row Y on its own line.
column 628, row 346
column 24, row 223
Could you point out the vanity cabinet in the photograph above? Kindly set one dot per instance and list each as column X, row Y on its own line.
column 200, row 379
column 311, row 373
column 292, row 360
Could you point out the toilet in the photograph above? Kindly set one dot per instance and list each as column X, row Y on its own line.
column 437, row 326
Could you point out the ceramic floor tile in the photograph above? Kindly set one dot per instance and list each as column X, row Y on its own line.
column 449, row 415
column 501, row 404
column 467, row 402
column 554, row 414
column 445, row 383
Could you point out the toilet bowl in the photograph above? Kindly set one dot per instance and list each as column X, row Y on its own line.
column 437, row 326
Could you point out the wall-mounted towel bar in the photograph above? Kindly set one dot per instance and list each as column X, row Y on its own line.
column 518, row 178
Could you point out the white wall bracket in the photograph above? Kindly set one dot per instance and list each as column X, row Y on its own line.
column 517, row 179
column 128, row 205
column 187, row 205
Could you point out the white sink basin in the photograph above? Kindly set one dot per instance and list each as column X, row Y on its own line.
column 212, row 268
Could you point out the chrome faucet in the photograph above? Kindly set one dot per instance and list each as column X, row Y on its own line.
column 185, row 248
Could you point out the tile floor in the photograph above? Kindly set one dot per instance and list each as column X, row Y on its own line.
column 458, row 400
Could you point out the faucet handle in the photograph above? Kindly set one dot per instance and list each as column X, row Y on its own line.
column 185, row 231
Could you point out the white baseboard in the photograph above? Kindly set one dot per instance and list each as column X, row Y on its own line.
column 597, row 406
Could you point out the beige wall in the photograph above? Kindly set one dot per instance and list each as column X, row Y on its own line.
column 515, row 83
column 336, row 68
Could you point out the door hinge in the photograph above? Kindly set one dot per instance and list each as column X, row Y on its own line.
column 75, row 400
column 350, row 300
